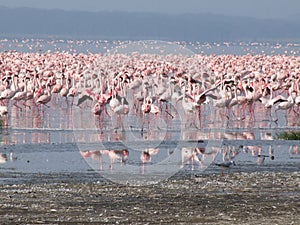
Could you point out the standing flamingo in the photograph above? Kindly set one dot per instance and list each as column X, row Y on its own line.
column 45, row 98
column 188, row 106
column 65, row 88
column 285, row 105
column 10, row 90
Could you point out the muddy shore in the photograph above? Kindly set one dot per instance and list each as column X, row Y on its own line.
column 235, row 198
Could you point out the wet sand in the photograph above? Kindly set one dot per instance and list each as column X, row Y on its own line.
column 231, row 198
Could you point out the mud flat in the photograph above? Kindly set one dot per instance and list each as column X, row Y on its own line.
column 75, row 198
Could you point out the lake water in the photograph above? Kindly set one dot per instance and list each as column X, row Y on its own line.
column 104, row 46
column 65, row 139
column 69, row 139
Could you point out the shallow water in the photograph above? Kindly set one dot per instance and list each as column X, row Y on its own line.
column 69, row 139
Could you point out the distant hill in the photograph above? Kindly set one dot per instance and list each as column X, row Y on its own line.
column 124, row 25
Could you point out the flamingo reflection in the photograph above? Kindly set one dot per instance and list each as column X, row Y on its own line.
column 191, row 155
column 257, row 152
column 146, row 156
column 113, row 155
column 120, row 155
column 4, row 157
column 294, row 152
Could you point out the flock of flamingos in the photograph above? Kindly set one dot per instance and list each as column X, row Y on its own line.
column 236, row 86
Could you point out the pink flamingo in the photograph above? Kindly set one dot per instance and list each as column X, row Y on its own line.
column 285, row 105
column 20, row 96
column 65, row 88
column 224, row 101
column 10, row 90
column 44, row 99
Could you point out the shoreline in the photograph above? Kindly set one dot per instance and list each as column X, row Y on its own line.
column 234, row 198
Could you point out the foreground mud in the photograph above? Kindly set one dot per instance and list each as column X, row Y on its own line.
column 236, row 198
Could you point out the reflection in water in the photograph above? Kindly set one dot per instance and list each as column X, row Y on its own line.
column 3, row 158
column 189, row 155
column 119, row 155
column 257, row 152
column 71, row 124
column 36, row 126
column 261, row 158
column 58, row 124
column 146, row 155
column 229, row 153
column 7, row 157
column 113, row 155
column 193, row 158
column 294, row 152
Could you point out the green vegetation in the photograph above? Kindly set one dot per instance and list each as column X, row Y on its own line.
column 288, row 135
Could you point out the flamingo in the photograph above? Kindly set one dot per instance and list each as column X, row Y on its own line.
column 10, row 91
column 115, row 101
column 253, row 93
column 57, row 87
column 65, row 88
column 86, row 94
column 297, row 98
column 224, row 101
column 188, row 105
column 154, row 109
column 238, row 100
column 20, row 95
column 45, row 98
column 243, row 79
column 201, row 98
column 121, row 110
column 285, row 105
column 149, row 107
column 3, row 111
column 73, row 91
column 297, row 103
column 30, row 90
column 97, row 109
column 146, row 106
column 271, row 101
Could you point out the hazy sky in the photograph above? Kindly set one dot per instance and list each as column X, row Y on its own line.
column 252, row 8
